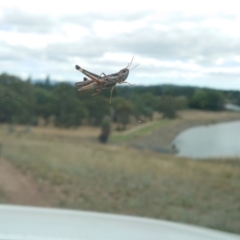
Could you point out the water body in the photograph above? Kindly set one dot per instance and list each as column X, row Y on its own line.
column 210, row 141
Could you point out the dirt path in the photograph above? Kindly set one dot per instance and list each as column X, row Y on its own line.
column 19, row 188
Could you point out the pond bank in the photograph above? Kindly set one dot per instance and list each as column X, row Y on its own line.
column 161, row 139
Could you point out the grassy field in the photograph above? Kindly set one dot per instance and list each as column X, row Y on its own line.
column 81, row 174
column 2, row 196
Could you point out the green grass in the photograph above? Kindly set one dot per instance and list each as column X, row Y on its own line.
column 118, row 179
column 144, row 130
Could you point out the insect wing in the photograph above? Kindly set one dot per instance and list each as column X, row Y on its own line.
column 83, row 83
column 91, row 75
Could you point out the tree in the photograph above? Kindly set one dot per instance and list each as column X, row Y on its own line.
column 123, row 110
column 105, row 130
column 17, row 100
column 45, row 103
column 69, row 110
column 145, row 105
column 208, row 99
column 98, row 107
column 168, row 106
column 181, row 102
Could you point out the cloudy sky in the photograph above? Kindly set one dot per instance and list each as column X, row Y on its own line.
column 181, row 42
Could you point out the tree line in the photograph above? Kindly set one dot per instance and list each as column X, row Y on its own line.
column 24, row 102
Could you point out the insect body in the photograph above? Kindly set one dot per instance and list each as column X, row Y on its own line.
column 99, row 82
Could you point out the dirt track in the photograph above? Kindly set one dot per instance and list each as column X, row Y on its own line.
column 19, row 188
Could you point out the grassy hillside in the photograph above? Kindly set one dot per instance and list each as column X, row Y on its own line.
column 81, row 174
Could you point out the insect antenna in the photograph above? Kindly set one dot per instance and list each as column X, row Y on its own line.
column 130, row 84
column 129, row 65
column 134, row 67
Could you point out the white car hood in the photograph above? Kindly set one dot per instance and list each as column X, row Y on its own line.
column 25, row 223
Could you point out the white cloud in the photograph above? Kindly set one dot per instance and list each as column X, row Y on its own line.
column 188, row 42
column 106, row 29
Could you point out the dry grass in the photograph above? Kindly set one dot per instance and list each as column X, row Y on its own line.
column 2, row 196
column 118, row 179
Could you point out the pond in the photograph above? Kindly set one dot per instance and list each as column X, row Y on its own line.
column 210, row 141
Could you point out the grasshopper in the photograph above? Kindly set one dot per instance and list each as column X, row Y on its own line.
column 99, row 82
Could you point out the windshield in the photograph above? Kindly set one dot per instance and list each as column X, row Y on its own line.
column 125, row 108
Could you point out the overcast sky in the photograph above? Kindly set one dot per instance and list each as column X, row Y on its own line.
column 176, row 42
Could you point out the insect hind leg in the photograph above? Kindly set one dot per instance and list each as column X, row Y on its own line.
column 103, row 74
